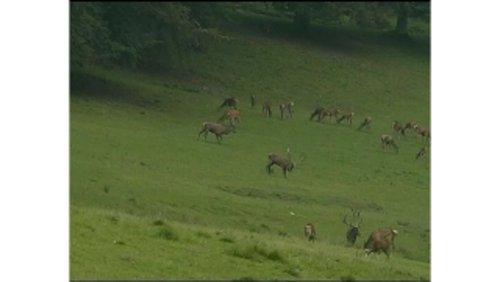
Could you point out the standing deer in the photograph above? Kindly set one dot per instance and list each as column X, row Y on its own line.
column 353, row 231
column 229, row 102
column 252, row 101
column 329, row 112
column 310, row 232
column 380, row 240
column 347, row 116
column 286, row 108
column 398, row 127
column 366, row 123
column 276, row 159
column 217, row 129
column 233, row 116
column 409, row 126
column 266, row 108
column 388, row 140
column 424, row 132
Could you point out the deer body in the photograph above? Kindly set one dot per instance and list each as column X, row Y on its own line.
column 380, row 240
column 388, row 140
column 231, row 115
column 366, row 123
column 347, row 116
column 217, row 129
column 286, row 109
column 266, row 108
column 284, row 163
column 353, row 226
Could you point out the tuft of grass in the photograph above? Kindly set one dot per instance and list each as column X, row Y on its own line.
column 258, row 253
column 168, row 233
column 158, row 222
column 226, row 240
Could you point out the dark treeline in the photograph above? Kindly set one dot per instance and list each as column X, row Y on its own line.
column 160, row 35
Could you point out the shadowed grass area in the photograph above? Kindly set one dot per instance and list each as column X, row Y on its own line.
column 150, row 201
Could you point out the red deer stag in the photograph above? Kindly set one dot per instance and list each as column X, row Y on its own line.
column 353, row 225
column 388, row 140
column 380, row 240
column 217, row 129
column 310, row 232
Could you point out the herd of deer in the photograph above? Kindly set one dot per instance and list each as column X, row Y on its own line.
column 379, row 240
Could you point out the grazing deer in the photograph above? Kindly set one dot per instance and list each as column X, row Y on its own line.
column 424, row 132
column 286, row 108
column 266, row 108
column 285, row 163
column 388, row 140
column 409, row 126
column 366, row 123
column 252, row 101
column 233, row 116
column 380, row 240
column 217, row 129
column 329, row 112
column 229, row 102
column 310, row 232
column 422, row 152
column 398, row 127
column 317, row 113
column 353, row 231
column 347, row 116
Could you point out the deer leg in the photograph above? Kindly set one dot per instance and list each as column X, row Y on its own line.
column 269, row 167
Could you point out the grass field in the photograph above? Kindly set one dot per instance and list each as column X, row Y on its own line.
column 148, row 200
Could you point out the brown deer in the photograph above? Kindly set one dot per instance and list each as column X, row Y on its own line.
column 217, row 129
column 409, row 126
column 276, row 159
column 366, row 123
column 310, row 232
column 424, row 132
column 266, row 109
column 347, row 116
column 229, row 102
column 353, row 226
column 388, row 140
column 380, row 240
column 231, row 115
column 329, row 112
column 398, row 127
column 286, row 109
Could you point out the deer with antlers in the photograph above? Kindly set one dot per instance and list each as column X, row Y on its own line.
column 286, row 109
column 366, row 123
column 310, row 232
column 217, row 129
column 347, row 117
column 380, row 240
column 353, row 226
column 388, row 140
column 231, row 115
column 231, row 102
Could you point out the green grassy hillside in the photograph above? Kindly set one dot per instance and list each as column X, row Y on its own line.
column 149, row 200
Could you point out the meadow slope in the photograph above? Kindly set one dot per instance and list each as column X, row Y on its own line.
column 149, row 200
